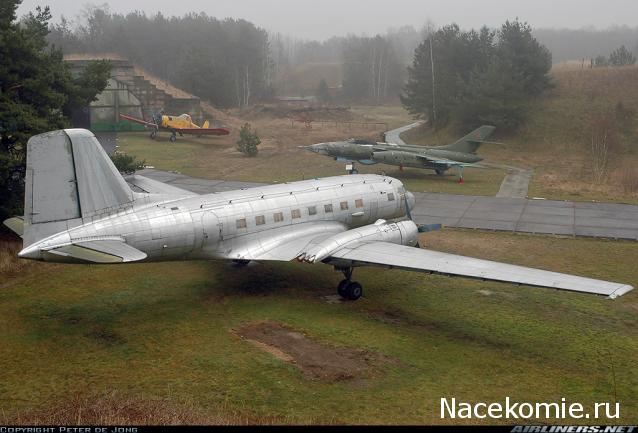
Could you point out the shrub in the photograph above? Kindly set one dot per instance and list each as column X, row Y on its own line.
column 248, row 141
column 126, row 164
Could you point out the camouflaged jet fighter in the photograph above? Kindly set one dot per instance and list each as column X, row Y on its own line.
column 460, row 154
column 79, row 209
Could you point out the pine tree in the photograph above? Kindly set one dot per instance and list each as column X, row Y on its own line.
column 37, row 92
column 248, row 140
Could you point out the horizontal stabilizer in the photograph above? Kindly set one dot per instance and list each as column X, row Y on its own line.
column 417, row 259
column 151, row 186
column 16, row 225
column 100, row 251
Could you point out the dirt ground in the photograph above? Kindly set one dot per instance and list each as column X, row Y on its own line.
column 316, row 360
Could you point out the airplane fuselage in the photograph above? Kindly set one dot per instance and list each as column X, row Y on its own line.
column 215, row 225
column 392, row 154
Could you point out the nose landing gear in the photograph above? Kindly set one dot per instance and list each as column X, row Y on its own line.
column 347, row 288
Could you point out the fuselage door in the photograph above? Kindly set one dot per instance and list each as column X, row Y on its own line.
column 212, row 227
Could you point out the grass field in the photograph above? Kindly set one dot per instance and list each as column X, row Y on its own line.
column 129, row 342
column 280, row 160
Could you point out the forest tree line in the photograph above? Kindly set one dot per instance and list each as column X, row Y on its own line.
column 224, row 61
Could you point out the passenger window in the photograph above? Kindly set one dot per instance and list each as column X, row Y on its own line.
column 344, row 205
column 327, row 208
column 260, row 220
column 358, row 202
column 278, row 217
column 296, row 213
column 241, row 223
column 312, row 210
column 390, row 196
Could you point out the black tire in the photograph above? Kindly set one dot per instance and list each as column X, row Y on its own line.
column 173, row 137
column 355, row 291
column 342, row 288
column 440, row 172
column 153, row 135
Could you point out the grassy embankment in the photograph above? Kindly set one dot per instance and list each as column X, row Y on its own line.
column 556, row 139
column 154, row 342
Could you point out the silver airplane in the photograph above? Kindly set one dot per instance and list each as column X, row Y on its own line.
column 79, row 209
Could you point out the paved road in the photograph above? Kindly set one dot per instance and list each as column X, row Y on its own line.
column 607, row 220
column 394, row 136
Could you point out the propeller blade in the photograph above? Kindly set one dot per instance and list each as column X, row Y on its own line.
column 424, row 228
column 407, row 207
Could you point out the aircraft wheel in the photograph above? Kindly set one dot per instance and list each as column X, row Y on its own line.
column 355, row 290
column 173, row 137
column 355, row 171
column 440, row 172
column 153, row 135
column 342, row 288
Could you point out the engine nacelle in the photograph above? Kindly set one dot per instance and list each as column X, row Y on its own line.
column 401, row 233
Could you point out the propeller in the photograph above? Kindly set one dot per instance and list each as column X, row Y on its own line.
column 422, row 228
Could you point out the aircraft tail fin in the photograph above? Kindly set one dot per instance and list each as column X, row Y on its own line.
column 69, row 178
column 206, row 125
column 472, row 141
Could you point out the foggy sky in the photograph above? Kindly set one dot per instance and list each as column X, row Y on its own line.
column 320, row 19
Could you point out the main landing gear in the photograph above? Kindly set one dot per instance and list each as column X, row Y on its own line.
column 173, row 137
column 153, row 134
column 347, row 288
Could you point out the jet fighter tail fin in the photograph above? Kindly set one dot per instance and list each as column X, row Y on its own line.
column 206, row 125
column 472, row 141
column 69, row 178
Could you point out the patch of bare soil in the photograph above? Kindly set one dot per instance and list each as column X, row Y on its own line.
column 316, row 360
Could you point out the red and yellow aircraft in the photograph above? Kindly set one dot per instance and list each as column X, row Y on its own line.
column 182, row 124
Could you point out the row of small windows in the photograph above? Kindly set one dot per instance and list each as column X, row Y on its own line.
column 296, row 213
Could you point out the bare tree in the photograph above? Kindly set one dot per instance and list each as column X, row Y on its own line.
column 603, row 140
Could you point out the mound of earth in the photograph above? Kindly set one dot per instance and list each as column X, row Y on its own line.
column 316, row 360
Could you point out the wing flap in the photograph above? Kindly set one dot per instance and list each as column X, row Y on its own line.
column 416, row 259
column 100, row 251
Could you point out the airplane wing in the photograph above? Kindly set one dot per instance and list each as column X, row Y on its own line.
column 416, row 259
column 107, row 250
column 138, row 120
column 449, row 162
column 202, row 131
column 144, row 184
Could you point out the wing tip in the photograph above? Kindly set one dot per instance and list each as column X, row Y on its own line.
column 621, row 290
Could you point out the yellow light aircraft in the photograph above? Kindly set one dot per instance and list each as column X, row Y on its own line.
column 182, row 124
